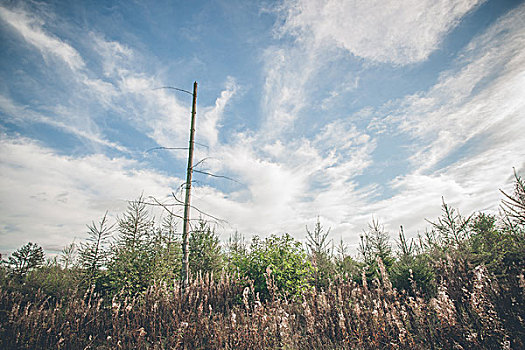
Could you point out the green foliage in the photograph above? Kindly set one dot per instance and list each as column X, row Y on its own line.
column 496, row 248
column 68, row 256
column 135, row 226
column 52, row 280
column 348, row 268
column 318, row 246
column 130, row 266
column 486, row 239
column 412, row 272
column 4, row 279
column 142, row 253
column 236, row 244
column 375, row 245
column 28, row 273
column 236, row 252
column 317, row 240
column 205, row 250
column 129, row 271
column 25, row 259
column 167, row 251
column 93, row 253
column 513, row 207
column 345, row 266
column 451, row 228
column 278, row 261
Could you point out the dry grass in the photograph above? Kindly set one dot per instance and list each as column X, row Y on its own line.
column 470, row 311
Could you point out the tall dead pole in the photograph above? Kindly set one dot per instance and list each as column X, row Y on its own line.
column 189, row 172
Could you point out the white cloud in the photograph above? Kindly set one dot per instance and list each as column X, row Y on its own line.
column 49, row 198
column 31, row 29
column 478, row 102
column 400, row 32
column 471, row 185
column 73, row 113
column 122, row 90
column 287, row 72
column 394, row 31
column 115, row 55
column 286, row 184
column 211, row 116
column 469, row 130
column 157, row 112
column 25, row 115
column 161, row 114
column 480, row 99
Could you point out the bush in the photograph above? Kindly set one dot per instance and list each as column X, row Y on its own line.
column 275, row 262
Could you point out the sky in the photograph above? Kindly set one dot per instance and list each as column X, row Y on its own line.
column 346, row 111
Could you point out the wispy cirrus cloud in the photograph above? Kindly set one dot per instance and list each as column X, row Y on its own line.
column 121, row 91
column 31, row 29
column 287, row 73
column 474, row 102
column 324, row 33
column 429, row 125
column 399, row 32
column 24, row 115
column 127, row 94
column 209, row 123
column 71, row 114
column 466, row 130
column 461, row 137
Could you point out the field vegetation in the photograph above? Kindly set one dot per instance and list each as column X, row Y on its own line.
column 459, row 285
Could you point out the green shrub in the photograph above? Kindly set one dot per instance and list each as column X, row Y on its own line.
column 276, row 261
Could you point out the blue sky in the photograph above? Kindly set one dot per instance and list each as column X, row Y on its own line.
column 346, row 110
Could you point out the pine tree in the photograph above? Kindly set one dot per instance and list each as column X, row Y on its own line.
column 68, row 255
column 205, row 250
column 318, row 246
column 513, row 206
column 132, row 259
column 25, row 259
column 375, row 243
column 167, row 250
column 93, row 253
column 134, row 226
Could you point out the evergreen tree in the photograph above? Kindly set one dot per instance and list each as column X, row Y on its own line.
column 345, row 265
column 25, row 259
column 134, row 226
column 68, row 255
column 318, row 246
column 374, row 245
column 205, row 250
column 167, row 251
column 412, row 272
column 236, row 250
column 132, row 260
column 513, row 206
column 93, row 253
column 236, row 244
column 451, row 228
